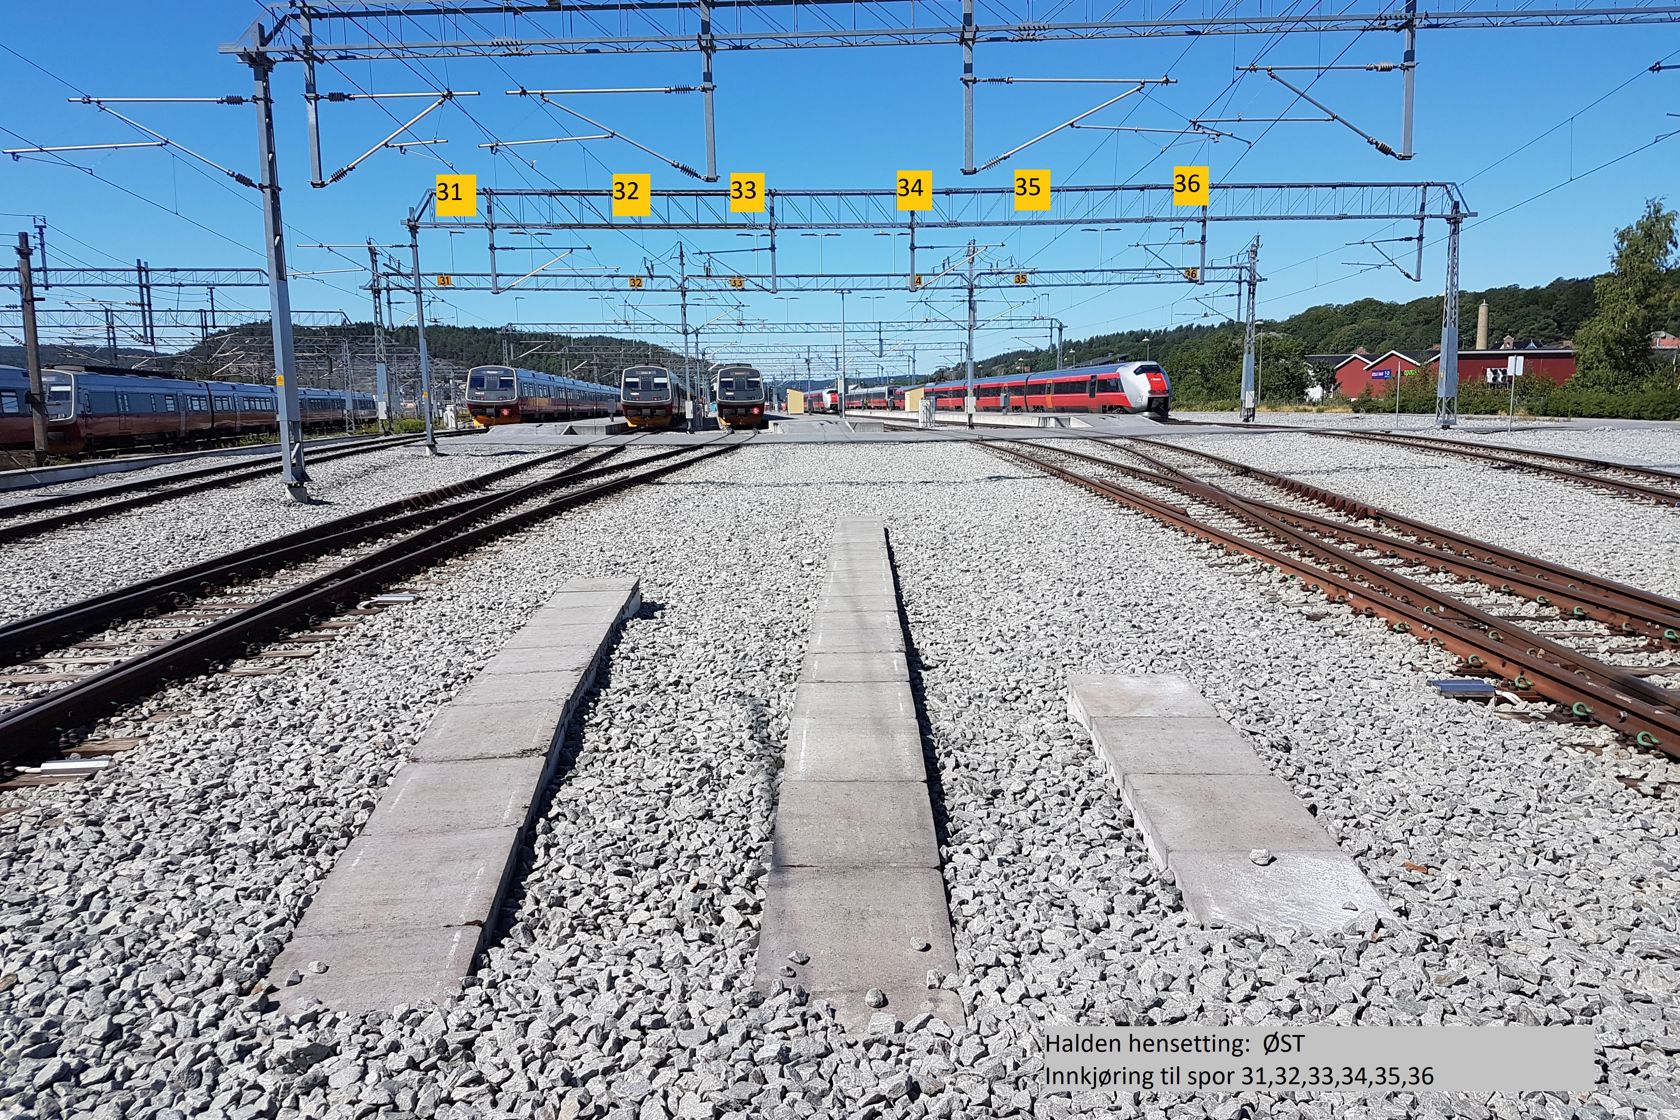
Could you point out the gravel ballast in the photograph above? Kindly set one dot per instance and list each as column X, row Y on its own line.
column 142, row 905
column 54, row 569
column 1626, row 539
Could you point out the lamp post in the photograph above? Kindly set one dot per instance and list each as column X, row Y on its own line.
column 819, row 237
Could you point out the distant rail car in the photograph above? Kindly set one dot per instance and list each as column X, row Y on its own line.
column 654, row 397
column 822, row 400
column 89, row 409
column 1111, row 387
column 741, row 402
column 874, row 398
column 505, row 395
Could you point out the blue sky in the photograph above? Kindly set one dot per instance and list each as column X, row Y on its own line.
column 821, row 118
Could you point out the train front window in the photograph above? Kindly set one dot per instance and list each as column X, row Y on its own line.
column 490, row 386
column 738, row 389
column 647, row 386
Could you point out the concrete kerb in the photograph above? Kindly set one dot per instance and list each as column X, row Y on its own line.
column 1242, row 848
column 428, row 873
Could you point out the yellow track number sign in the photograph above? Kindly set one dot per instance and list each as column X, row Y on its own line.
column 636, row 283
column 1190, row 186
column 456, row 196
column 914, row 190
column 746, row 192
column 1032, row 190
column 632, row 196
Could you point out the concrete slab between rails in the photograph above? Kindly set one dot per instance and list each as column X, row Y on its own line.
column 857, row 632
column 883, row 750
column 859, row 700
column 375, row 970
column 1315, row 891
column 853, row 824
column 464, row 732
column 854, row 882
column 862, row 928
column 883, row 665
column 1205, row 801
column 400, row 917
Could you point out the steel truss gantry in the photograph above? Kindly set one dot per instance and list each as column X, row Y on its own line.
column 314, row 34
column 867, row 210
column 421, row 29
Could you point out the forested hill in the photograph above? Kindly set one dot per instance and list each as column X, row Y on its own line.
column 1544, row 315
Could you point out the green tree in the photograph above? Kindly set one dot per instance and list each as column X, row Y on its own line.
column 1632, row 300
column 1284, row 371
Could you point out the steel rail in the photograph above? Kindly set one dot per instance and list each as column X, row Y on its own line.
column 27, row 731
column 158, row 491
column 1370, row 589
column 1633, row 608
column 27, row 635
column 1558, row 456
column 131, row 485
column 1300, row 527
column 1568, row 474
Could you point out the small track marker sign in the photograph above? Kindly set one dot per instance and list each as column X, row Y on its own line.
column 632, row 195
column 1032, row 189
column 456, row 196
column 914, row 190
column 1190, row 186
column 746, row 192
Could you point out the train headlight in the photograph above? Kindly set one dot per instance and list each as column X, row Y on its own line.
column 506, row 412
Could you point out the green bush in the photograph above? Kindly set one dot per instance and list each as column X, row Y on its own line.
column 409, row 425
column 1535, row 397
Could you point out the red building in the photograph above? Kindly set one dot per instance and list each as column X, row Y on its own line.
column 1555, row 364
column 1358, row 371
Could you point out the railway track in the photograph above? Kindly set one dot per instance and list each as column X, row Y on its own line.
column 1645, row 483
column 237, row 601
column 1545, row 630
column 137, row 493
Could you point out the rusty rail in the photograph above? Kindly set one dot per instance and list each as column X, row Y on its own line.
column 1589, row 689
column 1587, row 596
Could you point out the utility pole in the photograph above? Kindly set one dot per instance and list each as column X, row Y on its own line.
column 1059, row 327
column 292, row 472
column 1446, row 384
column 349, row 390
column 420, row 334
column 1250, row 393
column 688, row 362
column 383, row 404
column 32, row 351
column 840, row 363
column 968, row 398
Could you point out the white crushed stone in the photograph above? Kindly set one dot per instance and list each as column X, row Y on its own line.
column 1597, row 531
column 139, row 907
column 54, row 569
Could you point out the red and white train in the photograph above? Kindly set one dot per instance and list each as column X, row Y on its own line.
column 1110, row 387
